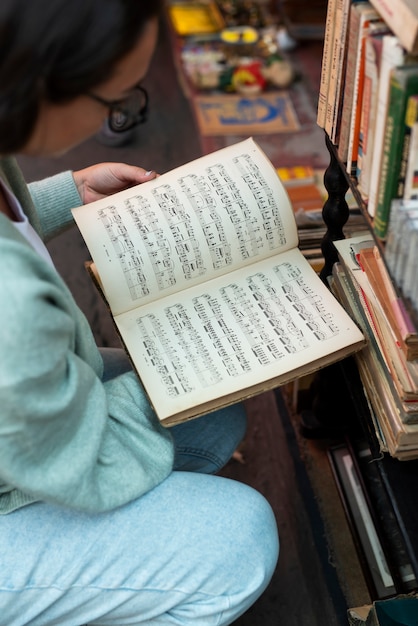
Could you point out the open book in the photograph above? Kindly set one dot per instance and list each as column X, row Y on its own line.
column 211, row 296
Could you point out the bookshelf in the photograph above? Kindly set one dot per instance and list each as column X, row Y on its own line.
column 380, row 507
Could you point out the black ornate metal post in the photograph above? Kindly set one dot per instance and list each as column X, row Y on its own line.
column 335, row 211
column 322, row 419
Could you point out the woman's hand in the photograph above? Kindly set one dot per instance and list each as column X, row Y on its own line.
column 99, row 181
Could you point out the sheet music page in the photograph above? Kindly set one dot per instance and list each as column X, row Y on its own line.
column 203, row 219
column 234, row 332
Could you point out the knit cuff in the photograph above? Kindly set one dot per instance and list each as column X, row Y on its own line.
column 54, row 197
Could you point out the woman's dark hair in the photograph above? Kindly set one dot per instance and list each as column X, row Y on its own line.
column 56, row 50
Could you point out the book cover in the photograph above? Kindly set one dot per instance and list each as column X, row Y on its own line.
column 367, row 16
column 404, row 83
column 337, row 63
column 349, row 79
column 410, row 119
column 210, row 293
column 373, row 54
column 393, row 55
column 326, row 63
column 380, row 282
column 411, row 173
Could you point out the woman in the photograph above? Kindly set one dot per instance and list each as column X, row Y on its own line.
column 107, row 517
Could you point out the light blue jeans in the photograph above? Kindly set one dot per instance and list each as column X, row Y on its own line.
column 197, row 549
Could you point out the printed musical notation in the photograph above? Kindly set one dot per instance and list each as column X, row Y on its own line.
column 274, row 318
column 186, row 241
column 129, row 257
column 164, row 252
column 171, row 368
column 308, row 305
column 266, row 202
column 207, row 286
column 174, row 226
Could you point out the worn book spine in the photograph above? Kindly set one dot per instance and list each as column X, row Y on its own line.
column 373, row 54
column 409, row 120
column 349, row 80
column 337, row 61
column 326, row 63
column 398, row 318
column 402, row 18
column 393, row 55
column 411, row 173
column 367, row 15
column 404, row 83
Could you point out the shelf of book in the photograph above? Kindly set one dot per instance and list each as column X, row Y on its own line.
column 385, row 482
column 367, row 106
column 336, row 179
column 386, row 485
column 369, row 81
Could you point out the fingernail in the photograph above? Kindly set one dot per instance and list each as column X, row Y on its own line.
column 149, row 172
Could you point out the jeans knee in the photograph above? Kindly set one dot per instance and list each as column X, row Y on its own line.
column 263, row 538
column 254, row 555
column 255, row 537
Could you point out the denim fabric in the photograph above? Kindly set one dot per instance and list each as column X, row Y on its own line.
column 202, row 445
column 197, row 549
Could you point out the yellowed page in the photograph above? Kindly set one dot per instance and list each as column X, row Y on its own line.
column 234, row 332
column 203, row 219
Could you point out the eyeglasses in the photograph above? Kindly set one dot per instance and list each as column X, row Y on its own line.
column 126, row 112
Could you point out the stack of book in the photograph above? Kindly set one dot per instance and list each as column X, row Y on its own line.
column 368, row 101
column 304, row 186
column 307, row 193
column 389, row 364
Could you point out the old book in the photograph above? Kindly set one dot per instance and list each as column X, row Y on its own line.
column 394, row 432
column 349, row 79
column 393, row 54
column 337, row 65
column 326, row 63
column 411, row 166
column 406, row 334
column 367, row 16
column 410, row 119
column 207, row 287
column 402, row 18
column 403, row 83
column 365, row 157
column 403, row 373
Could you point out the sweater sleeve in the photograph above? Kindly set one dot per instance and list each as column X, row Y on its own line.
column 65, row 436
column 54, row 197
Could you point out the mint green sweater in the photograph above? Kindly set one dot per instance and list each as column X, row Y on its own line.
column 65, row 437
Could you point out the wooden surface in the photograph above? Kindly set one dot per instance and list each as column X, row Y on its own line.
column 313, row 584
